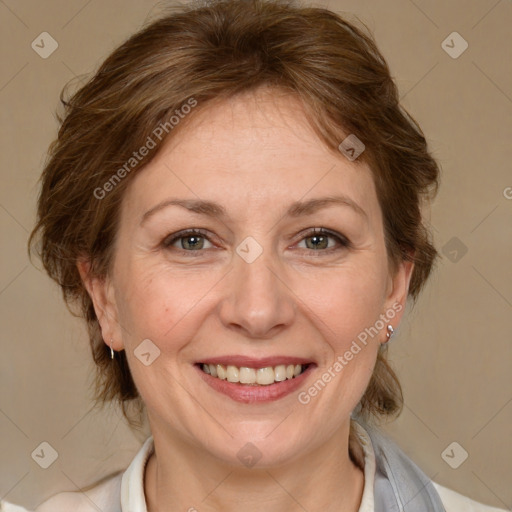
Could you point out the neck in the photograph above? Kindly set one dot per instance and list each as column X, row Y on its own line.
column 325, row 479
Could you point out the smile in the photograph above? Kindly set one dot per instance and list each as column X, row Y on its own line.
column 255, row 380
column 254, row 376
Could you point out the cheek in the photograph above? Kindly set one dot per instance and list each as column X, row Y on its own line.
column 342, row 309
column 142, row 304
column 345, row 300
column 156, row 303
column 344, row 306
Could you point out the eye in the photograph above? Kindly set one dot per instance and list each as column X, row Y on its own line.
column 195, row 240
column 189, row 240
column 319, row 239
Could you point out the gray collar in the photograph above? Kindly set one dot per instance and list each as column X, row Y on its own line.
column 400, row 485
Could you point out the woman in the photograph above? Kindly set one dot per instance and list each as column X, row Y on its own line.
column 234, row 201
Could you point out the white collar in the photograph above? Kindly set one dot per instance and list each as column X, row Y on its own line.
column 132, row 484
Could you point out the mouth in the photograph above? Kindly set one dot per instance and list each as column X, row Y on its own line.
column 249, row 380
column 245, row 375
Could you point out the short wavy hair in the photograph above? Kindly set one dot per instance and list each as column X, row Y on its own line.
column 210, row 52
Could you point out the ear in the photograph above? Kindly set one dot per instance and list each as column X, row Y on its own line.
column 398, row 289
column 101, row 291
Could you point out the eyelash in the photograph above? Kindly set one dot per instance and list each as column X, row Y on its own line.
column 343, row 242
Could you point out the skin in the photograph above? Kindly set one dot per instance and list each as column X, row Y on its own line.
column 253, row 154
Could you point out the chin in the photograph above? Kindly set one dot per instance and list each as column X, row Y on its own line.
column 254, row 449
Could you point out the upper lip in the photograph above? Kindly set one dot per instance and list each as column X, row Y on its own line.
column 255, row 362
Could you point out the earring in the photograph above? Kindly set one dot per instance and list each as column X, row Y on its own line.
column 390, row 333
column 111, row 351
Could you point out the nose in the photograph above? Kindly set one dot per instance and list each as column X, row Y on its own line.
column 258, row 302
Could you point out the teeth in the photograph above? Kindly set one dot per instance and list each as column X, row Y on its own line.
column 247, row 375
column 254, row 376
column 233, row 374
column 221, row 372
column 265, row 376
column 280, row 373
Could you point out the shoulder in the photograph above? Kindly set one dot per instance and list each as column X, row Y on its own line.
column 455, row 502
column 5, row 506
column 104, row 495
column 451, row 500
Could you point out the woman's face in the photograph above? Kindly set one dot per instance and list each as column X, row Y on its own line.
column 256, row 288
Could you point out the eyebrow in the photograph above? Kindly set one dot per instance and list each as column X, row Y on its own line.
column 296, row 209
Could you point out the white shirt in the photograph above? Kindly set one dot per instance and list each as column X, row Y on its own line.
column 124, row 492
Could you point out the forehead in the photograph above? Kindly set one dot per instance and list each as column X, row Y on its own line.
column 253, row 150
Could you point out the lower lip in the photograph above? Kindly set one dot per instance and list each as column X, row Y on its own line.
column 245, row 393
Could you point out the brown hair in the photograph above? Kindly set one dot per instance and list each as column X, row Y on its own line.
column 210, row 52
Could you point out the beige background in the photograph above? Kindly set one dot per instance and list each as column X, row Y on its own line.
column 453, row 352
